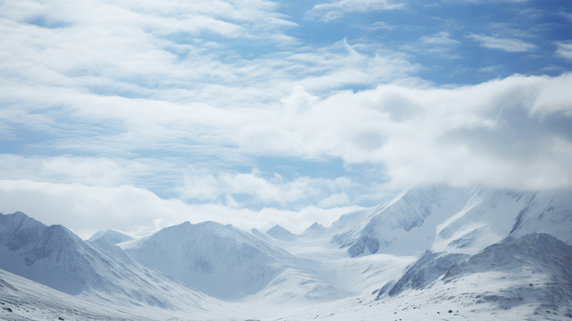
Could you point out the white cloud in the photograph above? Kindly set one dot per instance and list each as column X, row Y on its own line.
column 496, row 133
column 476, row 133
column 336, row 9
column 441, row 38
column 70, row 169
column 230, row 113
column 439, row 43
column 88, row 209
column 336, row 200
column 564, row 50
column 490, row 68
column 509, row 45
column 380, row 25
column 554, row 98
column 202, row 185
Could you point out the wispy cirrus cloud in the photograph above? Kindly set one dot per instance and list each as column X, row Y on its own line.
column 336, row 9
column 441, row 38
column 508, row 45
column 440, row 43
column 564, row 50
column 380, row 25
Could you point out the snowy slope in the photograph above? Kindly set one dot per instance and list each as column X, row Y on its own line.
column 403, row 226
column 218, row 260
column 280, row 233
column 474, row 252
column 449, row 219
column 538, row 264
column 314, row 229
column 110, row 236
column 534, row 271
column 99, row 271
column 491, row 215
column 53, row 255
column 23, row 299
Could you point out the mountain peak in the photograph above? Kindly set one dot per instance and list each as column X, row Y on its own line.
column 110, row 236
column 316, row 226
column 219, row 260
column 280, row 233
column 314, row 229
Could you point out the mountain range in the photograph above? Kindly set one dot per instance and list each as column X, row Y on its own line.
column 430, row 252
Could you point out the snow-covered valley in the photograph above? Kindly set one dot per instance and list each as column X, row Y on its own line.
column 434, row 253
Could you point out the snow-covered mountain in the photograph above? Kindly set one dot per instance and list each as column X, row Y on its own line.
column 534, row 270
column 471, row 250
column 403, row 226
column 280, row 233
column 54, row 256
column 23, row 299
column 110, row 236
column 218, row 260
column 448, row 219
column 491, row 215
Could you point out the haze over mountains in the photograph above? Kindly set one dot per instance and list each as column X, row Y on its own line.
column 430, row 253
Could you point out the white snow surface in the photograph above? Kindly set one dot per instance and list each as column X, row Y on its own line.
column 99, row 271
column 278, row 232
column 434, row 253
column 491, row 215
column 111, row 237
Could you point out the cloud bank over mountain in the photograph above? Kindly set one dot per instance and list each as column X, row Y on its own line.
column 266, row 110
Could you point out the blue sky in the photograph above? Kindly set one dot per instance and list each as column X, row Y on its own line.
column 136, row 115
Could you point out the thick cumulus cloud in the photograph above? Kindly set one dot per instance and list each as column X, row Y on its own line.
column 513, row 132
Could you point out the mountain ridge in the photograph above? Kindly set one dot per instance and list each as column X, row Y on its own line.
column 417, row 245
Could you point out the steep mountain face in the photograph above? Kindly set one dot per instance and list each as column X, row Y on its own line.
column 428, row 268
column 454, row 220
column 54, row 256
column 403, row 226
column 219, row 260
column 533, row 269
column 491, row 215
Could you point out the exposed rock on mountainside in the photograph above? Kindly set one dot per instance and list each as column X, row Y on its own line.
column 536, row 267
